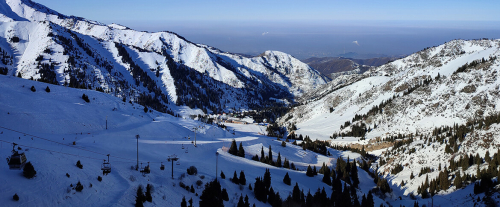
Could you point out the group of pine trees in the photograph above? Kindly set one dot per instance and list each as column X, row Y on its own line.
column 268, row 159
column 317, row 146
column 342, row 195
column 142, row 197
column 236, row 151
column 452, row 137
column 262, row 187
column 213, row 195
column 239, row 181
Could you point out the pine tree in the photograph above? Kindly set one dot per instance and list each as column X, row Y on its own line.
column 363, row 201
column 271, row 196
column 487, row 157
column 139, row 197
column 315, row 172
column 222, row 175
column 247, row 204
column 309, row 171
column 369, row 200
column 287, row 179
column 458, row 181
column 148, row 196
column 262, row 157
column 235, row 178
column 296, row 193
column 267, row 179
column 242, row 179
column 354, row 174
column 47, row 89
column 309, row 200
column 278, row 160
column 33, row 88
column 233, row 149
column 241, row 203
column 29, row 171
column 241, row 151
column 277, row 202
column 270, row 155
column 326, row 176
column 190, row 202
column 183, row 202
column 224, row 194
column 286, row 164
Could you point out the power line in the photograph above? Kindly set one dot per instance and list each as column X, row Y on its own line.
column 20, row 132
column 51, row 150
column 51, row 141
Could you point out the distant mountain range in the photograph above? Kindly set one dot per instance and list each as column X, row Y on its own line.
column 333, row 66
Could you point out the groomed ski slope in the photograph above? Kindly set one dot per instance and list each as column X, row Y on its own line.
column 57, row 119
column 46, row 125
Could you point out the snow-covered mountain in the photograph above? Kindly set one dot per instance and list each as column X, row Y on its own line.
column 410, row 99
column 154, row 69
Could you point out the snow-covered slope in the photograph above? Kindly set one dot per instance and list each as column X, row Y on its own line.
column 58, row 128
column 45, row 125
column 423, row 107
column 129, row 63
column 453, row 84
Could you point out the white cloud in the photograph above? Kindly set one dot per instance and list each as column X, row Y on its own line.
column 355, row 42
column 265, row 33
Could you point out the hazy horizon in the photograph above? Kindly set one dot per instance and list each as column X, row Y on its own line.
column 302, row 29
column 322, row 39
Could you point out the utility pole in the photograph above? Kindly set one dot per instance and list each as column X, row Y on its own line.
column 137, row 166
column 106, row 122
column 216, row 164
column 172, row 158
column 195, row 129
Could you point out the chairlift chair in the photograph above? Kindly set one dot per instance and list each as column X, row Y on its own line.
column 145, row 170
column 178, row 163
column 106, row 167
column 17, row 160
column 182, row 146
column 162, row 167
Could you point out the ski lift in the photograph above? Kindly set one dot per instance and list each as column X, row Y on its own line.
column 145, row 170
column 17, row 160
column 162, row 167
column 106, row 167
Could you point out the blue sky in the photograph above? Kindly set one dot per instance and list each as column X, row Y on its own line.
column 111, row 10
column 301, row 28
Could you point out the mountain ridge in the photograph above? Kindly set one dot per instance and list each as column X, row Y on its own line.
column 278, row 75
